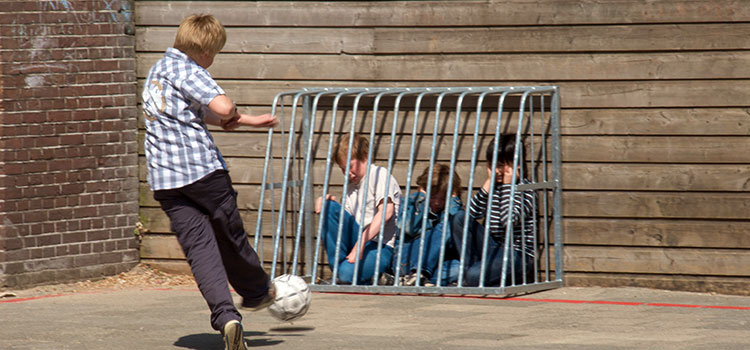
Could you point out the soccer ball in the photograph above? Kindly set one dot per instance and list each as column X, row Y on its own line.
column 293, row 298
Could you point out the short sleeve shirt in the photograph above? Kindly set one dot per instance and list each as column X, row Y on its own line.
column 179, row 147
column 376, row 192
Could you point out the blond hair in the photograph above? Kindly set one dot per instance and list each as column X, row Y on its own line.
column 360, row 148
column 200, row 34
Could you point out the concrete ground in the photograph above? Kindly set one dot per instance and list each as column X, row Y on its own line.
column 567, row 318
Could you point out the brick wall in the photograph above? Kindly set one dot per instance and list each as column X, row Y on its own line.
column 68, row 153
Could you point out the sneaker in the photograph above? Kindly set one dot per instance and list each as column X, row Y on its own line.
column 234, row 338
column 266, row 302
column 411, row 280
column 386, row 279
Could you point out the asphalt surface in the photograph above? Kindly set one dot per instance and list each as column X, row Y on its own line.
column 567, row 318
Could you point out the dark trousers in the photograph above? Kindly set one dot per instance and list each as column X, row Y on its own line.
column 209, row 228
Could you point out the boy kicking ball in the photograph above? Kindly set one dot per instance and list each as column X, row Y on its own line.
column 189, row 176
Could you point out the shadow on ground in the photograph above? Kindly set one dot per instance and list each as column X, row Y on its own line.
column 206, row 341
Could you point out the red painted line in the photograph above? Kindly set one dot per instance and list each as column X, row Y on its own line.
column 535, row 300
column 30, row 298
column 727, row 307
column 674, row 305
column 563, row 301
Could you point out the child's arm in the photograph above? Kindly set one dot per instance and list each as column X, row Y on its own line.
column 223, row 112
column 372, row 230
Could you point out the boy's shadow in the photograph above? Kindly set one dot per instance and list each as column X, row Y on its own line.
column 206, row 341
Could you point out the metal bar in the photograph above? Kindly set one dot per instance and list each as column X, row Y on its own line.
column 509, row 225
column 510, row 290
column 326, row 181
column 557, row 170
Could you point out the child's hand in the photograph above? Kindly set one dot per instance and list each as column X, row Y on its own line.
column 319, row 202
column 263, row 121
column 352, row 256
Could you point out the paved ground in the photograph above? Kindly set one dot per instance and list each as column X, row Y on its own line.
column 568, row 318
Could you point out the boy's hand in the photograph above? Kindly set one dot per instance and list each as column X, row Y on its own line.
column 262, row 121
column 352, row 256
column 319, row 202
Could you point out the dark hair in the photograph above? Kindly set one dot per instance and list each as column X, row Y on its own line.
column 505, row 151
column 440, row 175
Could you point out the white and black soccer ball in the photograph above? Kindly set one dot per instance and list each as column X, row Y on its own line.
column 293, row 298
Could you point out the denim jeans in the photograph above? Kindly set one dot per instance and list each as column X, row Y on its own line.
column 430, row 257
column 494, row 259
column 349, row 235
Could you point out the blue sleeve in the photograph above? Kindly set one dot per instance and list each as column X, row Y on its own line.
column 412, row 221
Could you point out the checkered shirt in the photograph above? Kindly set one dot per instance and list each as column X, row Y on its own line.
column 179, row 148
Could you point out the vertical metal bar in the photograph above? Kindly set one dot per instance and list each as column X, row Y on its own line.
column 428, row 196
column 326, row 180
column 397, row 270
column 258, row 243
column 375, row 273
column 491, row 192
column 545, row 177
column 359, row 242
column 285, row 181
column 308, row 123
column 509, row 225
column 557, row 170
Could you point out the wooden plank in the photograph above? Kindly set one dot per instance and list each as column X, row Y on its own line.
column 654, row 149
column 599, row 122
column 618, row 38
column 684, row 261
column 443, row 13
column 488, row 67
column 700, row 284
column 656, row 177
column 182, row 267
column 589, row 94
column 657, row 233
column 270, row 40
column 545, row 39
column 656, row 205
column 156, row 221
column 576, row 176
column 673, row 121
column 167, row 247
column 606, row 149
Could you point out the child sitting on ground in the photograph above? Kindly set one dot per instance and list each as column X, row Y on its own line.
column 432, row 232
column 359, row 235
column 521, row 209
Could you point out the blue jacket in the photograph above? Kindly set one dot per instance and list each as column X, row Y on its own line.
column 412, row 221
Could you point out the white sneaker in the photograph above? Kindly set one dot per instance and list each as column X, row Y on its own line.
column 234, row 338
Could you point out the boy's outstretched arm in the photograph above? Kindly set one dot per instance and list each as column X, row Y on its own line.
column 372, row 230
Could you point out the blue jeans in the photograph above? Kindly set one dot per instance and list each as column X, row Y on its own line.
column 349, row 235
column 430, row 257
column 493, row 261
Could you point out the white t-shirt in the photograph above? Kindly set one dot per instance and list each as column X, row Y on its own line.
column 376, row 192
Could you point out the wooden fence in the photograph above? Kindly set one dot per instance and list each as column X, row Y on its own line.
column 655, row 120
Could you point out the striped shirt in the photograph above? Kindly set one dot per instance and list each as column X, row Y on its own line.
column 523, row 219
column 179, row 148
